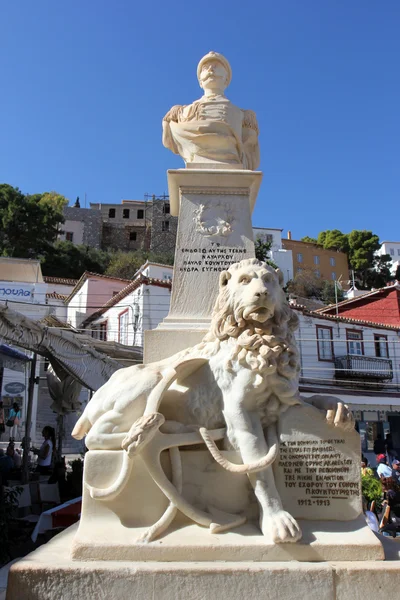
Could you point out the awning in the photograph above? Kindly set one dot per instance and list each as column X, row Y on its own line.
column 12, row 359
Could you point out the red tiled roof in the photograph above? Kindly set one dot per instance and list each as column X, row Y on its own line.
column 362, row 297
column 56, row 296
column 338, row 318
column 86, row 275
column 60, row 280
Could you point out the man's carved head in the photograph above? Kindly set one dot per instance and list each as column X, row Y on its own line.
column 214, row 71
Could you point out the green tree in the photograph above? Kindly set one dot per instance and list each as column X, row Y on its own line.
column 262, row 250
column 29, row 224
column 65, row 259
column 126, row 264
column 309, row 240
column 361, row 246
column 334, row 239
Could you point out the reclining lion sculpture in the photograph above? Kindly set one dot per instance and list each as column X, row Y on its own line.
column 234, row 386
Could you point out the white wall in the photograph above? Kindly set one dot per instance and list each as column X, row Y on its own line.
column 265, row 232
column 393, row 249
column 146, row 307
column 322, row 372
column 93, row 294
column 74, row 227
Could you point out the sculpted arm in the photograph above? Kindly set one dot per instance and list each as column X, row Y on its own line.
column 250, row 140
column 167, row 136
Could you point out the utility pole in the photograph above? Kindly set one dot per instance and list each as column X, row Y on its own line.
column 28, row 421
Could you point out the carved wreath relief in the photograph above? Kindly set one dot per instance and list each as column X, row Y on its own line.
column 214, row 219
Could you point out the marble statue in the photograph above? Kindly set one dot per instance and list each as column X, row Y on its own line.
column 212, row 129
column 232, row 387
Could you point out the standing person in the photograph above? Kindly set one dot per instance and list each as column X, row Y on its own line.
column 45, row 453
column 383, row 469
column 396, row 470
column 14, row 418
column 2, row 420
column 391, row 453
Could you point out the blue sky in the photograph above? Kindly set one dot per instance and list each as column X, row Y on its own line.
column 86, row 83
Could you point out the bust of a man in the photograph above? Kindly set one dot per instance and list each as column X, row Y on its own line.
column 212, row 129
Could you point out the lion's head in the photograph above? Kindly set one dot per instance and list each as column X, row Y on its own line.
column 251, row 297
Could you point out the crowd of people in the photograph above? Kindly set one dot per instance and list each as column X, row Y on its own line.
column 387, row 473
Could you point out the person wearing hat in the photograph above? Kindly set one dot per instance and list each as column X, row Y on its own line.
column 212, row 129
column 396, row 470
column 383, row 469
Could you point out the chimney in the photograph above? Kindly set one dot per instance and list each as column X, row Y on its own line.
column 289, row 235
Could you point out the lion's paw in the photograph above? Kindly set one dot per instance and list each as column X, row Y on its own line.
column 281, row 526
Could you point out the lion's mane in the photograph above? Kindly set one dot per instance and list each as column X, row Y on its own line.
column 267, row 348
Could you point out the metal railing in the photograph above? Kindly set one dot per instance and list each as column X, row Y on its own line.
column 355, row 366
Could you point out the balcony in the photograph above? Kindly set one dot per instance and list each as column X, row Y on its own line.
column 355, row 366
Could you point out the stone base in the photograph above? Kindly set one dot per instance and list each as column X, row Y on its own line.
column 321, row 541
column 162, row 343
column 50, row 574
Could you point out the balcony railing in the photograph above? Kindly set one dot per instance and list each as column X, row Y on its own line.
column 355, row 366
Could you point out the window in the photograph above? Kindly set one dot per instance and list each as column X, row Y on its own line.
column 103, row 331
column 332, row 261
column 398, row 251
column 111, row 213
column 165, row 225
column 69, row 236
column 316, row 260
column 381, row 346
column 140, row 213
column 123, row 327
column 325, row 343
column 355, row 343
column 299, row 257
column 166, row 208
column 317, row 273
column 333, row 275
column 167, row 277
column 125, row 213
column 299, row 270
column 133, row 236
column 391, row 251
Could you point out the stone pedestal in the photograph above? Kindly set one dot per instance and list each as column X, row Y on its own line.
column 49, row 573
column 317, row 476
column 214, row 231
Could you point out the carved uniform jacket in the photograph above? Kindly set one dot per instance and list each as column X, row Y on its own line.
column 213, row 130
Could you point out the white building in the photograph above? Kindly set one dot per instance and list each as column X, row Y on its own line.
column 23, row 288
column 140, row 305
column 281, row 257
column 90, row 293
column 393, row 249
column 357, row 362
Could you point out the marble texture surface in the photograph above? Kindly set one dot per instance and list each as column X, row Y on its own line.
column 49, row 573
